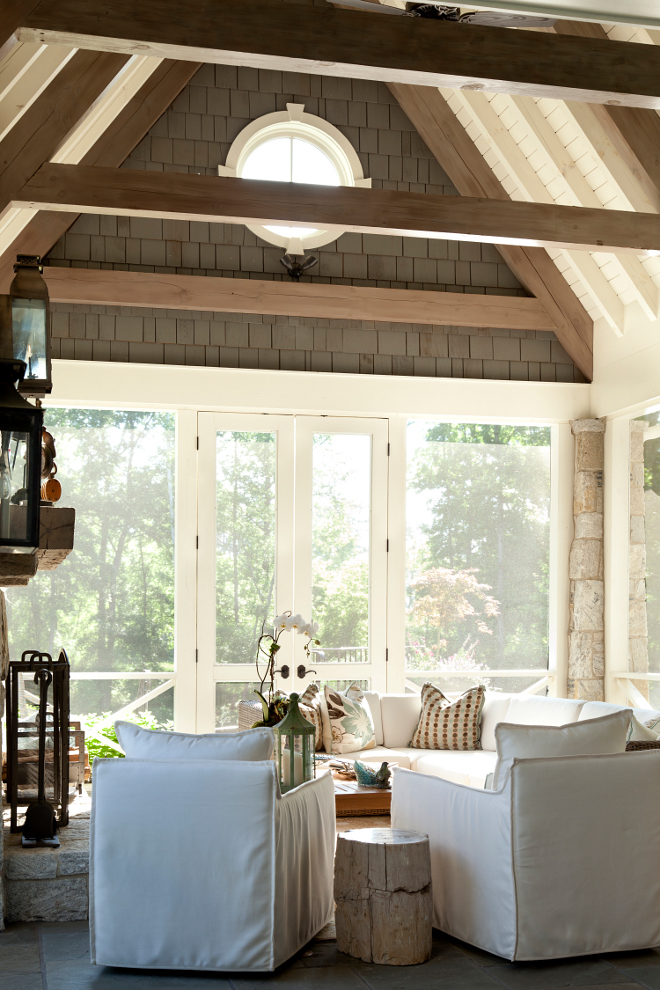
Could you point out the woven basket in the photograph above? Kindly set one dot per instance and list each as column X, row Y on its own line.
column 249, row 712
column 643, row 744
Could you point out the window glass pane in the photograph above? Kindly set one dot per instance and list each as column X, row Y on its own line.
column 227, row 697
column 111, row 603
column 245, row 542
column 478, row 528
column 270, row 160
column 309, row 164
column 652, row 536
column 340, row 531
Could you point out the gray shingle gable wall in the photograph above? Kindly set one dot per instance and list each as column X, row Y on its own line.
column 195, row 134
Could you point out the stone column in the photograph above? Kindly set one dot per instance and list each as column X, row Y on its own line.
column 638, row 643
column 585, row 652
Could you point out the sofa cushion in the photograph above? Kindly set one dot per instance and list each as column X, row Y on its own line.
column 596, row 709
column 372, row 698
column 460, row 766
column 445, row 724
column 607, row 734
column 495, row 708
column 404, row 756
column 532, row 709
column 400, row 717
column 643, row 726
column 149, row 744
column 347, row 723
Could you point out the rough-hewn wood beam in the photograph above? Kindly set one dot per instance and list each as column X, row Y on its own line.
column 39, row 132
column 341, row 302
column 472, row 176
column 356, row 44
column 124, row 192
column 111, row 149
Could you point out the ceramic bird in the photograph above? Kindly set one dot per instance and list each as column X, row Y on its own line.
column 368, row 777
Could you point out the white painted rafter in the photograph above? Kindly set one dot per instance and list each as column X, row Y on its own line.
column 503, row 149
column 24, row 74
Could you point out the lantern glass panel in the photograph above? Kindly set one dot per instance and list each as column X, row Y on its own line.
column 295, row 740
column 20, row 470
column 29, row 326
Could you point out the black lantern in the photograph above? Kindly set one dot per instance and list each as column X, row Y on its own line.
column 20, row 464
column 30, row 313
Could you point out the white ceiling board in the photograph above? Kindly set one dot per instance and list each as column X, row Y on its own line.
column 641, row 12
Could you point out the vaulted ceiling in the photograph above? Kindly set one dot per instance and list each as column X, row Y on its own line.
column 62, row 101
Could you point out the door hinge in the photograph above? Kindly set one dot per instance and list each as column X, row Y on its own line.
column 387, row 656
column 196, row 656
column 197, row 542
column 388, row 547
column 197, row 443
column 388, row 450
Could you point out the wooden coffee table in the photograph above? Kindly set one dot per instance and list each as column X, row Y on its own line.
column 351, row 799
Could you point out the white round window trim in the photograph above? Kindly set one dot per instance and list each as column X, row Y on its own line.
column 295, row 123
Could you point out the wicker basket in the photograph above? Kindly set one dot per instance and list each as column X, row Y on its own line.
column 643, row 744
column 249, row 712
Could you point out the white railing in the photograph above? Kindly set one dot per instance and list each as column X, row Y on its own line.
column 547, row 677
column 95, row 731
column 625, row 678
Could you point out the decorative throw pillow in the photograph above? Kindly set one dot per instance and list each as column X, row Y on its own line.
column 594, row 736
column 347, row 723
column 445, row 724
column 149, row 744
column 310, row 706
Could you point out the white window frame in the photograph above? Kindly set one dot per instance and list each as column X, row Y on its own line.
column 294, row 122
column 189, row 390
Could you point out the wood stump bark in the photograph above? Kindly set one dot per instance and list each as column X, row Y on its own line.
column 384, row 910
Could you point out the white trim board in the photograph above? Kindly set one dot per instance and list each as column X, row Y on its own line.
column 89, row 384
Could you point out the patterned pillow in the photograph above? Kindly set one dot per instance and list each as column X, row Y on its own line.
column 449, row 725
column 310, row 706
column 347, row 723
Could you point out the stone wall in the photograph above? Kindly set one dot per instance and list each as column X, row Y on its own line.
column 638, row 644
column 241, row 340
column 586, row 654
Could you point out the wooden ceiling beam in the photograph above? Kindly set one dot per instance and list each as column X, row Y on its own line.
column 356, row 44
column 468, row 170
column 221, row 199
column 340, row 302
column 13, row 13
column 112, row 147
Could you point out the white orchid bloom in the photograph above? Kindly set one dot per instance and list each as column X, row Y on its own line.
column 280, row 621
column 295, row 622
column 310, row 629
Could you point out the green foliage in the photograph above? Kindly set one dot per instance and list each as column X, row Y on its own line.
column 483, row 493
column 111, row 604
column 147, row 719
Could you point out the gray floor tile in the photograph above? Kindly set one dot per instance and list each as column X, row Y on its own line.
column 19, row 958
column 73, row 945
column 583, row 972
column 448, row 968
column 19, row 934
column 71, row 974
column 328, row 978
column 648, row 976
column 20, row 981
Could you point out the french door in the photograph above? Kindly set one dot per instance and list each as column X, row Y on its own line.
column 292, row 515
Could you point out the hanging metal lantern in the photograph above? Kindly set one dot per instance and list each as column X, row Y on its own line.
column 30, row 311
column 295, row 742
column 20, row 464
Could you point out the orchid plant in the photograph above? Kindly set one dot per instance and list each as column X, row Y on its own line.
column 276, row 705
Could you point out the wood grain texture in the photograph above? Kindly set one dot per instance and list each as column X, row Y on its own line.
column 111, row 149
column 13, row 13
column 128, row 192
column 39, row 132
column 455, row 151
column 383, row 892
column 242, row 295
column 356, row 44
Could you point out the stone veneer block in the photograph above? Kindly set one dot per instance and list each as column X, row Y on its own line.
column 61, row 899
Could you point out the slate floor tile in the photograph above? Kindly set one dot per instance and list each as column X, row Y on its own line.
column 328, row 978
column 648, row 976
column 588, row 971
column 72, row 945
column 19, row 958
column 20, row 981
column 81, row 975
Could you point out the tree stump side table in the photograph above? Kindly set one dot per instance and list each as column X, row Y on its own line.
column 384, row 908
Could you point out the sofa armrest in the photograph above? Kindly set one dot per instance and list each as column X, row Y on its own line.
column 469, row 832
column 304, row 864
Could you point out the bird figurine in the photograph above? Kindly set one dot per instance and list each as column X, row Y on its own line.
column 368, row 777
column 297, row 268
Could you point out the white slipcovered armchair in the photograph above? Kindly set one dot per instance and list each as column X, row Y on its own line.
column 561, row 861
column 203, row 865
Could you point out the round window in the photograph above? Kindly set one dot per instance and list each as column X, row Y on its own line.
column 293, row 146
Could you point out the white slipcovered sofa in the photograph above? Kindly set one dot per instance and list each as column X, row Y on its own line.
column 395, row 718
column 202, row 865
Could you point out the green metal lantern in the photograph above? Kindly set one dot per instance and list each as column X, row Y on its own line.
column 295, row 742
